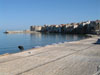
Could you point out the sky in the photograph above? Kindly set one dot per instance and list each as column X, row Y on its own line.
column 21, row 14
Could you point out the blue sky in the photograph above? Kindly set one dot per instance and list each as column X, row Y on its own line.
column 20, row 14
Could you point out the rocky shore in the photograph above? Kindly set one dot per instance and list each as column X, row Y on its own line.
column 69, row 58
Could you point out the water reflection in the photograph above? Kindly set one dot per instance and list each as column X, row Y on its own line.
column 9, row 42
column 49, row 38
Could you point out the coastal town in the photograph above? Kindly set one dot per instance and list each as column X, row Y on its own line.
column 49, row 37
column 69, row 58
column 88, row 27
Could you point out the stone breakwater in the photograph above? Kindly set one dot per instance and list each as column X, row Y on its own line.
column 69, row 58
column 24, row 31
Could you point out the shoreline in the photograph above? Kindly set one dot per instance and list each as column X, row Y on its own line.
column 87, row 37
column 58, row 59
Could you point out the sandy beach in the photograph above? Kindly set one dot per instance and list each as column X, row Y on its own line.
column 69, row 58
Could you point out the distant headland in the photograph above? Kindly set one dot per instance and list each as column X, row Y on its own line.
column 87, row 27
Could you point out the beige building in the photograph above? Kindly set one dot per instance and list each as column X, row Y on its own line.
column 35, row 28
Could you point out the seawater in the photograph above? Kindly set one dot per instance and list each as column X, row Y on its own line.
column 9, row 42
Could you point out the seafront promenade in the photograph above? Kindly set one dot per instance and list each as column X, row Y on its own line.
column 69, row 58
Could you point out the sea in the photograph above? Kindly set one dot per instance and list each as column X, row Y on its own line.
column 9, row 42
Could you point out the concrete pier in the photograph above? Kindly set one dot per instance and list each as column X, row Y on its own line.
column 73, row 58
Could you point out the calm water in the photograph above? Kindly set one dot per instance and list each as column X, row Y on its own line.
column 9, row 42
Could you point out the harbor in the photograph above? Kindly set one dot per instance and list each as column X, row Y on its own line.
column 69, row 58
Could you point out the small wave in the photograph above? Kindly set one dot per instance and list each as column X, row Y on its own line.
column 37, row 46
column 59, row 42
column 47, row 44
column 54, row 43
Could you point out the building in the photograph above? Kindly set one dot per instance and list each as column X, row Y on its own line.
column 35, row 28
